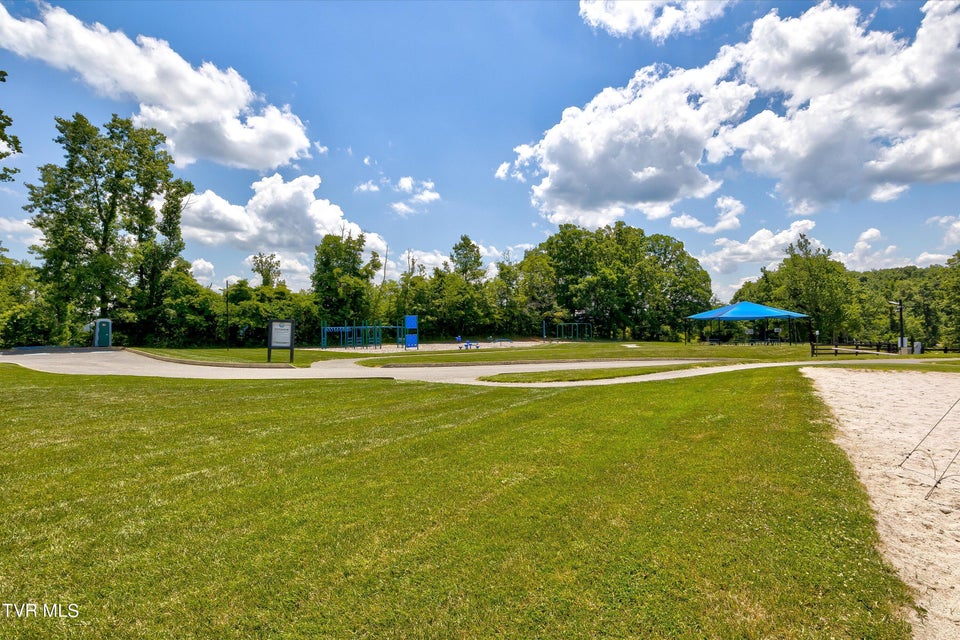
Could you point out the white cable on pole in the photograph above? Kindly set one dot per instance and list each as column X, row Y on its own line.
column 929, row 432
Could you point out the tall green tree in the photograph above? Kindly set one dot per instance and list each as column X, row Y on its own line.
column 414, row 294
column 922, row 291
column 110, row 219
column 678, row 286
column 458, row 291
column 190, row 311
column 268, row 268
column 342, row 281
column 624, row 282
column 152, row 210
column 818, row 285
column 810, row 281
column 504, row 300
column 573, row 254
column 467, row 260
column 17, row 280
column 457, row 303
column 951, row 286
column 537, row 292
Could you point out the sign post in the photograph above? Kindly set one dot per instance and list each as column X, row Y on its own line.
column 279, row 336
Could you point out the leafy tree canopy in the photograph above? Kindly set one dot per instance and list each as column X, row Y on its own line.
column 110, row 222
column 9, row 143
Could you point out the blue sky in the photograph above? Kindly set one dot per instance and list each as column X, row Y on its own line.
column 732, row 126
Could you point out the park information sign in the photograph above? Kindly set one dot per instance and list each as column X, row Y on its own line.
column 279, row 336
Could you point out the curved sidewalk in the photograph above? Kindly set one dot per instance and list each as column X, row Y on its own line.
column 127, row 363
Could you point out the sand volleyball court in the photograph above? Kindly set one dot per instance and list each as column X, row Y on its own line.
column 882, row 416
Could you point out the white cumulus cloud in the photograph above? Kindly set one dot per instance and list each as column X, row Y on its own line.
column 426, row 195
column 281, row 216
column 864, row 258
column 657, row 19
column 829, row 108
column 405, row 184
column 926, row 259
column 728, row 218
column 16, row 230
column 204, row 111
column 951, row 226
column 402, row 209
column 864, row 113
column 635, row 147
column 764, row 247
column 421, row 192
column 368, row 186
column 203, row 271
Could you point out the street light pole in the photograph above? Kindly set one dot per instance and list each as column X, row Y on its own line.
column 899, row 305
column 903, row 342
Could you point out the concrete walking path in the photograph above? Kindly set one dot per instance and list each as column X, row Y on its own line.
column 128, row 363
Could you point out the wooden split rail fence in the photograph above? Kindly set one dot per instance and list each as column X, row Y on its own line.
column 856, row 348
column 871, row 348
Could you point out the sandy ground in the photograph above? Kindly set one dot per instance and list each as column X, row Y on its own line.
column 882, row 417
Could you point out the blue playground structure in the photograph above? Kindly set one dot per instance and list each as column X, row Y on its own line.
column 371, row 336
column 354, row 336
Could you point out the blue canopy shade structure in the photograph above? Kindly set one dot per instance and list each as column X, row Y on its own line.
column 750, row 311
column 747, row 311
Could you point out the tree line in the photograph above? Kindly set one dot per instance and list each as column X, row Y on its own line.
column 847, row 306
column 110, row 246
column 109, row 221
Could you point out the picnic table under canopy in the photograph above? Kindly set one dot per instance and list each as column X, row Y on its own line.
column 748, row 311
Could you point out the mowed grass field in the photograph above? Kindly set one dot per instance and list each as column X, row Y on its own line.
column 556, row 351
column 706, row 508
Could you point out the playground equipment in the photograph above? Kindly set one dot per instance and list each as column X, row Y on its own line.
column 355, row 336
column 575, row 331
column 411, row 330
column 366, row 336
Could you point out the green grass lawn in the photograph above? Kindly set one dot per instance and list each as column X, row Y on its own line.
column 559, row 352
column 577, row 375
column 301, row 357
column 598, row 350
column 311, row 509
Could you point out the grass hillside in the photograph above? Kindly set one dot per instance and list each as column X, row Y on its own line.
column 162, row 508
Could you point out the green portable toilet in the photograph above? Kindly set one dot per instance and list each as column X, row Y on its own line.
column 103, row 332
